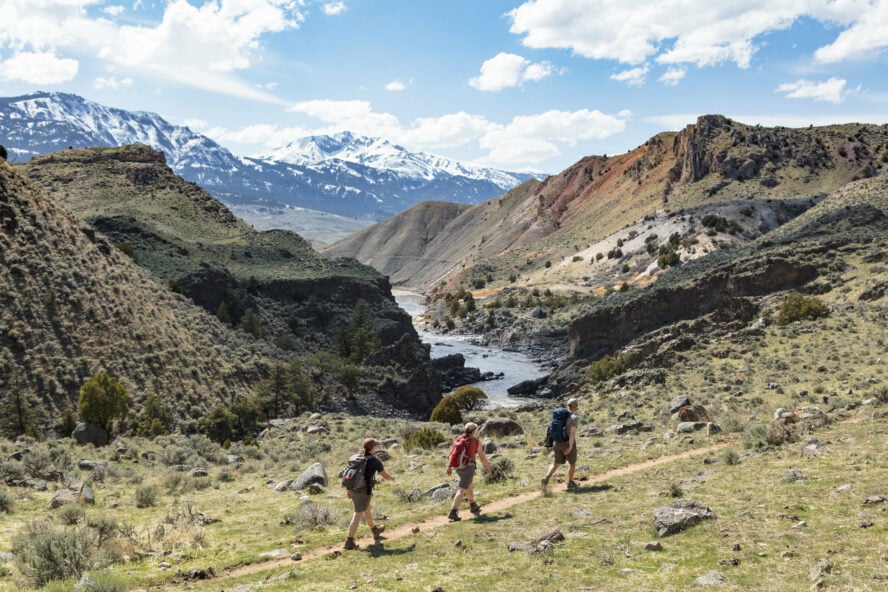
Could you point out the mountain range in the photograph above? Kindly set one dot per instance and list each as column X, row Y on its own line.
column 344, row 174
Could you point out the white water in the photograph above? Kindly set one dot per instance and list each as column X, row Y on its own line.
column 515, row 366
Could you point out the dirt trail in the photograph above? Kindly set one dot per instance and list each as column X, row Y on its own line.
column 435, row 522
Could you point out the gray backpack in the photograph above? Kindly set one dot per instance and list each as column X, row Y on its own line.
column 354, row 476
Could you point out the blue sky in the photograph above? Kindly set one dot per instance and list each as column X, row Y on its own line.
column 530, row 85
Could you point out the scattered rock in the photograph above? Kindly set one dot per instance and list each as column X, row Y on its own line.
column 296, row 556
column 819, row 569
column 489, row 447
column 679, row 402
column 522, row 546
column 165, row 565
column 198, row 472
column 61, row 498
column 233, row 459
column 812, row 448
column 876, row 499
column 654, row 546
column 553, row 536
column 90, row 433
column 689, row 427
column 732, row 562
column 91, row 465
column 846, row 487
column 283, row 486
column 313, row 475
column 679, row 515
column 790, row 475
column 87, row 495
column 316, row 429
column 713, row 578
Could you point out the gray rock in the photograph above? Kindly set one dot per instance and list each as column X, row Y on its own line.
column 37, row 484
column 91, row 465
column 439, row 495
column 6, row 557
column 679, row 402
column 522, row 546
column 85, row 584
column 679, row 515
column 90, row 433
column 712, row 429
column 499, row 427
column 198, row 472
column 688, row 427
column 283, row 486
column 165, row 565
column 87, row 495
column 179, row 468
column 790, row 475
column 296, row 556
column 61, row 498
column 149, row 455
column 489, row 447
column 553, row 536
column 819, row 569
column 713, row 578
column 315, row 429
column 654, row 546
column 382, row 455
column 313, row 475
column 233, row 459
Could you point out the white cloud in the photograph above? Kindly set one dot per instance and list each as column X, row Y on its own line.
column 506, row 70
column 673, row 76
column 111, row 82
column 264, row 135
column 113, row 10
column 395, row 86
column 38, row 68
column 700, row 32
column 195, row 124
column 447, row 131
column 334, row 8
column 196, row 46
column 633, row 76
column 864, row 38
column 832, row 90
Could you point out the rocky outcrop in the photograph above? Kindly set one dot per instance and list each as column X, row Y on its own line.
column 615, row 323
column 679, row 515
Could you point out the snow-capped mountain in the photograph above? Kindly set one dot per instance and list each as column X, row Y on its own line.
column 342, row 174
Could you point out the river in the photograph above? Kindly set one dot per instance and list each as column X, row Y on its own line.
column 516, row 367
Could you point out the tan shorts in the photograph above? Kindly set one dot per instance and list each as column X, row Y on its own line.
column 361, row 500
column 560, row 458
column 466, row 475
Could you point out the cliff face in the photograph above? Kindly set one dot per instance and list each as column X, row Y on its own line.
column 272, row 284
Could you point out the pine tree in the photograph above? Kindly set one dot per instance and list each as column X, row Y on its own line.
column 102, row 400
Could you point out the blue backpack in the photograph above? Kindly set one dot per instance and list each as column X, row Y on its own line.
column 558, row 431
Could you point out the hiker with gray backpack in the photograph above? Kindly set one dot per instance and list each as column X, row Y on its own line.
column 358, row 479
column 562, row 437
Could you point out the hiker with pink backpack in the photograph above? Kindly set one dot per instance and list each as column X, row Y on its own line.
column 462, row 458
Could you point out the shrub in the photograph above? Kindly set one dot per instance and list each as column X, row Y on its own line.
column 447, row 411
column 146, row 496
column 469, row 398
column 6, row 503
column 668, row 259
column 606, row 368
column 755, row 435
column 45, row 552
column 425, row 438
column 675, row 490
column 313, row 515
column 156, row 418
column 104, row 526
column 730, row 457
column 796, row 307
column 102, row 400
column 357, row 339
column 500, row 470
column 68, row 423
column 71, row 514
column 408, row 495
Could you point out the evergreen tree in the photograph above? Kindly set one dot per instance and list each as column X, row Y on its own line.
column 16, row 413
column 357, row 339
column 102, row 400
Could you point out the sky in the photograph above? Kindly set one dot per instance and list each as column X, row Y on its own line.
column 521, row 86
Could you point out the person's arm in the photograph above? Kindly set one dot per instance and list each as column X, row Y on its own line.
column 573, row 439
column 386, row 475
column 484, row 460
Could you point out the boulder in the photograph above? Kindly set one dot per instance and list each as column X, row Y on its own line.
column 283, row 486
column 90, row 433
column 488, row 446
column 313, row 475
column 528, row 388
column 688, row 427
column 316, row 429
column 679, row 402
column 382, row 455
column 92, row 465
column 62, row 497
column 713, row 578
column 499, row 427
column 791, row 475
column 87, row 495
column 691, row 413
column 233, row 459
column 679, row 515
column 198, row 472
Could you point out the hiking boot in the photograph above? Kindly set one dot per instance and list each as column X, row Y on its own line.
column 377, row 531
column 475, row 508
column 572, row 486
column 544, row 481
column 349, row 544
column 453, row 516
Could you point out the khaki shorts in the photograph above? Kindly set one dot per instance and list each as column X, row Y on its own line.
column 361, row 500
column 466, row 475
column 560, row 458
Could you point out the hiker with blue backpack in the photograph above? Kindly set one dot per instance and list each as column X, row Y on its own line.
column 358, row 479
column 462, row 458
column 562, row 434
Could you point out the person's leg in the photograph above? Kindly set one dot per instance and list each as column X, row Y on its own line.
column 570, row 471
column 552, row 468
column 470, row 493
column 460, row 494
column 368, row 518
column 353, row 527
